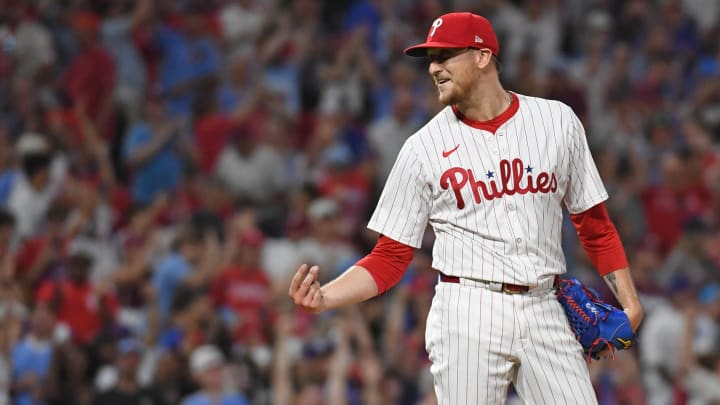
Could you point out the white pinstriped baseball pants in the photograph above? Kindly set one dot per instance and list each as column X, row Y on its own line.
column 479, row 341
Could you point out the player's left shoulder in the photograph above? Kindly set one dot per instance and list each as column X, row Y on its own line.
column 559, row 113
column 555, row 115
column 543, row 105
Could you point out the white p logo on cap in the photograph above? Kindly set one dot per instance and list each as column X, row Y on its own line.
column 437, row 23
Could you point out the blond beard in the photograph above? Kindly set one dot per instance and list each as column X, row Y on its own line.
column 450, row 99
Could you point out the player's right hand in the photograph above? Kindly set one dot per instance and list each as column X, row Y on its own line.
column 305, row 289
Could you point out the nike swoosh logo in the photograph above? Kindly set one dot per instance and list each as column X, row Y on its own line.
column 447, row 153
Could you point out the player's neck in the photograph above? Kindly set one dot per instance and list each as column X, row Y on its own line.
column 485, row 103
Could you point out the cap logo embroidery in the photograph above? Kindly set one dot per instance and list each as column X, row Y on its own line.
column 437, row 23
column 478, row 39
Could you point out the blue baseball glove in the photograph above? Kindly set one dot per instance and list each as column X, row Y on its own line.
column 596, row 325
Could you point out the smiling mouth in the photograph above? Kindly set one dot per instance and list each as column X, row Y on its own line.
column 441, row 81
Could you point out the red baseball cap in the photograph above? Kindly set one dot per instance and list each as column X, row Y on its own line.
column 458, row 30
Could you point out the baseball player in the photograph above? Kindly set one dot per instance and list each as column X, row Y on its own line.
column 490, row 173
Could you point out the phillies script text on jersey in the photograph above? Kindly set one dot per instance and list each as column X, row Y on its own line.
column 511, row 176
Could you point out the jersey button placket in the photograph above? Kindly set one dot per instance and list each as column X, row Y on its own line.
column 493, row 144
column 503, row 145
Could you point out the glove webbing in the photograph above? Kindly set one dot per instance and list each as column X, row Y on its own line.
column 582, row 327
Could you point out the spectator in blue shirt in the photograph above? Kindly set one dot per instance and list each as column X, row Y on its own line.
column 153, row 151
column 181, row 265
column 191, row 59
column 208, row 367
column 31, row 359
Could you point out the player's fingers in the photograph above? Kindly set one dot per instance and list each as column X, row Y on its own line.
column 312, row 290
column 316, row 302
column 297, row 279
column 309, row 279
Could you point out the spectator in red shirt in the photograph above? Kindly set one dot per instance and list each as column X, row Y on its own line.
column 38, row 257
column 211, row 134
column 344, row 180
column 83, row 307
column 243, row 291
column 212, row 129
column 676, row 200
column 90, row 78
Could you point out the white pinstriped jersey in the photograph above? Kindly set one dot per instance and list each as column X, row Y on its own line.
column 494, row 200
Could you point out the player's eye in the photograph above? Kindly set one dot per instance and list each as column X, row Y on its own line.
column 444, row 55
column 440, row 57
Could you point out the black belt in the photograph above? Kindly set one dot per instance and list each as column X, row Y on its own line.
column 504, row 287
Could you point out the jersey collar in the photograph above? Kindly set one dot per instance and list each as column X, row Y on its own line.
column 493, row 124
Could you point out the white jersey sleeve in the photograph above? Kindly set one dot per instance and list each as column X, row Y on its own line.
column 404, row 207
column 585, row 187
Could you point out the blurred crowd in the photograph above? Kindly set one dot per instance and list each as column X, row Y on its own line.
column 165, row 166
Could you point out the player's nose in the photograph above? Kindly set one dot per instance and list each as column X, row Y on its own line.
column 434, row 68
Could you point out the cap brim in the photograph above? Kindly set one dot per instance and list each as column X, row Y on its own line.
column 421, row 49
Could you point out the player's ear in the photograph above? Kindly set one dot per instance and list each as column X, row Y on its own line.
column 483, row 58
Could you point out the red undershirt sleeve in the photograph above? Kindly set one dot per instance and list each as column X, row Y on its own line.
column 600, row 239
column 387, row 262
